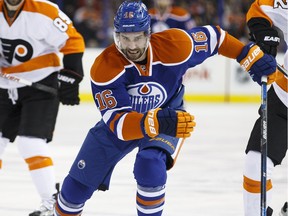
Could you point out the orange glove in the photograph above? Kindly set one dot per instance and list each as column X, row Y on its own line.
column 257, row 63
column 168, row 121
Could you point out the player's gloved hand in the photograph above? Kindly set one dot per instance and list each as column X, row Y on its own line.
column 265, row 36
column 257, row 64
column 69, row 87
column 168, row 121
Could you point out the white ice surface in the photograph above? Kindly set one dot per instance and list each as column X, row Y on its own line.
column 207, row 178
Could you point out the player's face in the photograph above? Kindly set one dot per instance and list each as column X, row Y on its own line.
column 133, row 45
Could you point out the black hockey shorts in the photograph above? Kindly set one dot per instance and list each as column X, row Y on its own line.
column 33, row 114
column 277, row 129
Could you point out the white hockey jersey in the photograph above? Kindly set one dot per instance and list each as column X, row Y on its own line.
column 31, row 41
column 276, row 12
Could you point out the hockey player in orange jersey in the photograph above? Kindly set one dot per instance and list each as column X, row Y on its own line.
column 137, row 87
column 32, row 34
column 164, row 16
column 262, row 16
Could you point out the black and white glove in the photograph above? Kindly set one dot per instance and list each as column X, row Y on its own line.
column 69, row 87
column 265, row 36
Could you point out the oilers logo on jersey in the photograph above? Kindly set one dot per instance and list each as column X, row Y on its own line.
column 146, row 96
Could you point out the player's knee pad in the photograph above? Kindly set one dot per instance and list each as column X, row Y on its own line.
column 35, row 152
column 32, row 146
column 73, row 191
column 252, row 168
column 150, row 168
column 252, row 172
column 72, row 197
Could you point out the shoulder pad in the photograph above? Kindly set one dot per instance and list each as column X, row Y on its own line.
column 172, row 46
column 108, row 66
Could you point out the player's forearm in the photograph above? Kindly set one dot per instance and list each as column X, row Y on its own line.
column 127, row 126
column 73, row 62
column 230, row 47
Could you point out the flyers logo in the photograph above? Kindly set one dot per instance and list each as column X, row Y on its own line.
column 281, row 3
column 19, row 49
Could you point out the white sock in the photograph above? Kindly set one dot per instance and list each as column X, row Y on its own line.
column 252, row 171
column 44, row 176
column 3, row 145
column 44, row 181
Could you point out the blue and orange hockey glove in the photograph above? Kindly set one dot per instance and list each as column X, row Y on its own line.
column 257, row 63
column 168, row 121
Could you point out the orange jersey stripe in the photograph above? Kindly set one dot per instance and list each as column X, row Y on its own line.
column 131, row 127
column 255, row 10
column 230, row 47
column 48, row 60
column 266, row 2
column 75, row 43
column 282, row 81
column 253, row 186
column 38, row 162
column 150, row 203
column 63, row 214
column 112, row 123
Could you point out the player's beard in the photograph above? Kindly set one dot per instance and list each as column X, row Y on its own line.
column 135, row 54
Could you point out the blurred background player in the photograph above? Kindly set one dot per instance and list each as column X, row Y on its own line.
column 137, row 87
column 164, row 16
column 32, row 34
column 88, row 21
column 261, row 19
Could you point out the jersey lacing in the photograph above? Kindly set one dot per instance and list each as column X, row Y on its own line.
column 13, row 95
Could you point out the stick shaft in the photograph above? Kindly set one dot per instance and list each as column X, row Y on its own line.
column 263, row 144
column 38, row 86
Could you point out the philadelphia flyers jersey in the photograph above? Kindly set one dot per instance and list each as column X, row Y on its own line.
column 31, row 41
column 124, row 90
column 175, row 17
column 276, row 12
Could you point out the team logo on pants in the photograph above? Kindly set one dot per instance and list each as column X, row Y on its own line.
column 81, row 164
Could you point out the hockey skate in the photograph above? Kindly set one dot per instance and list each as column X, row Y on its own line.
column 284, row 210
column 44, row 210
column 46, row 207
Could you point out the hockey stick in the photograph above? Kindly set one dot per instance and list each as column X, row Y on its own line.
column 38, row 86
column 263, row 144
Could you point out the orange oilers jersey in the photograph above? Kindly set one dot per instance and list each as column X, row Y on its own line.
column 174, row 17
column 124, row 90
column 276, row 12
column 31, row 41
